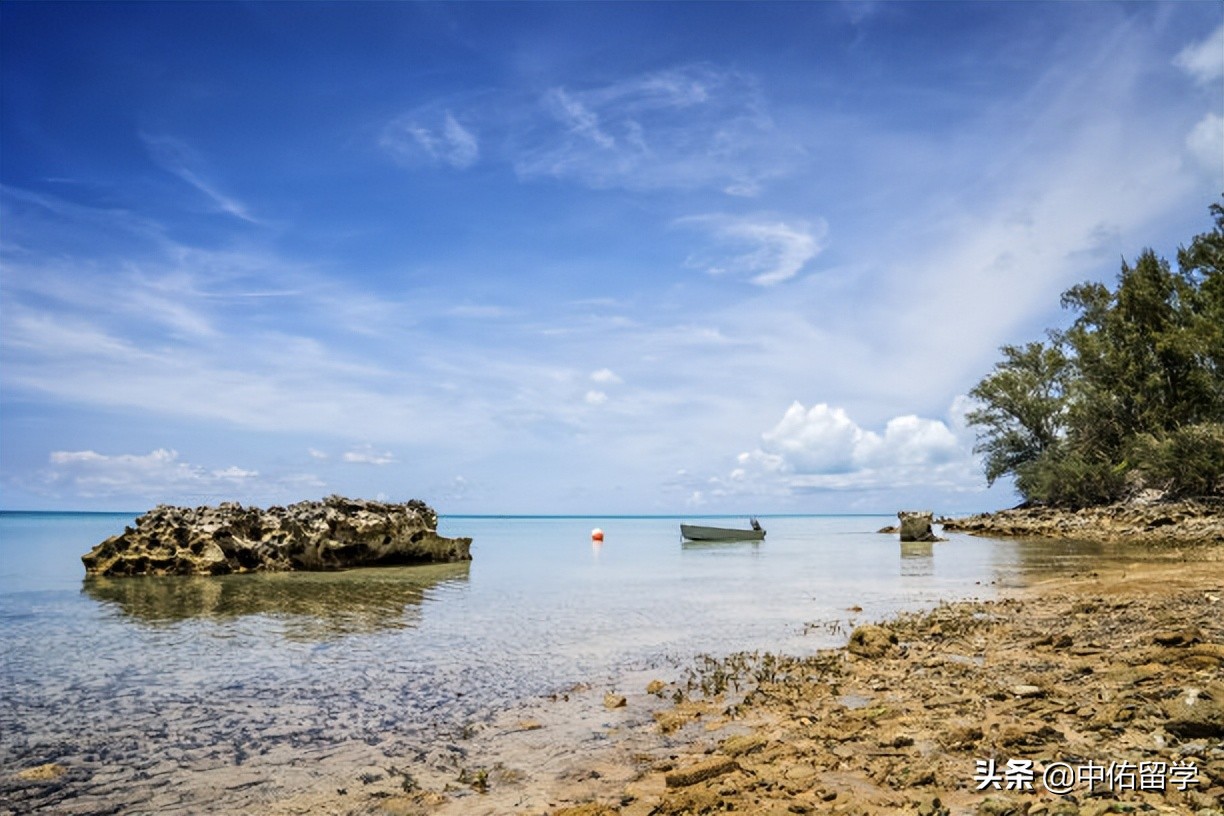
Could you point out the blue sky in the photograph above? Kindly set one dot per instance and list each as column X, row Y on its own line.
column 564, row 257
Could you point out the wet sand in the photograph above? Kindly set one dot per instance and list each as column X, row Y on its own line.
column 1114, row 676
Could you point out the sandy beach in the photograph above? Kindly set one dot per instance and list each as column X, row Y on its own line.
column 1098, row 692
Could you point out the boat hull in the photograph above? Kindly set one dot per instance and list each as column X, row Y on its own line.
column 695, row 532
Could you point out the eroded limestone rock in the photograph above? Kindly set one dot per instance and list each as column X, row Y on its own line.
column 916, row 525
column 335, row 533
column 1197, row 521
column 871, row 640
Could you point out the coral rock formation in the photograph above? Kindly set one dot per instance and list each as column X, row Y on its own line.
column 335, row 533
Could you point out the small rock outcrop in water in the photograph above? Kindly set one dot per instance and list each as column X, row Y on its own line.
column 335, row 533
column 916, row 526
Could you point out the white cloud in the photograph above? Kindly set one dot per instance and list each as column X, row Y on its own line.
column 823, row 449
column 446, row 142
column 596, row 397
column 820, row 440
column 193, row 333
column 175, row 156
column 367, row 455
column 1206, row 142
column 825, row 440
column 577, row 119
column 234, row 474
column 913, row 440
column 765, row 251
column 463, row 149
column 1204, row 60
column 479, row 311
column 157, row 474
column 688, row 127
column 1005, row 203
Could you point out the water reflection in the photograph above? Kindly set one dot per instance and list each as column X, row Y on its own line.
column 730, row 545
column 313, row 605
column 917, row 558
column 1021, row 562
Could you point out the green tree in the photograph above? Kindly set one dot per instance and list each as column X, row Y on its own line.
column 1203, row 263
column 1130, row 395
column 1137, row 361
column 1022, row 407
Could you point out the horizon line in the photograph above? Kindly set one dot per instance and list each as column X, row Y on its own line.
column 528, row 515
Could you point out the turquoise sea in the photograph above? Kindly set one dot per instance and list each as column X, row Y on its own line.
column 152, row 692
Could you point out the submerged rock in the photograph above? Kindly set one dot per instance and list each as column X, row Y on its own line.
column 335, row 533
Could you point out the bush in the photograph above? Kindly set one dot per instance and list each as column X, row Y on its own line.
column 1184, row 463
column 1068, row 479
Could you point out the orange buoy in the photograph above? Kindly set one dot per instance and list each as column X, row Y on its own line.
column 597, row 534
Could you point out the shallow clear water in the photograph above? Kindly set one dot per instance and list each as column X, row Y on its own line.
column 131, row 680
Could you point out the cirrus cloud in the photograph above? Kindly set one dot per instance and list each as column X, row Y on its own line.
column 764, row 250
column 409, row 141
column 686, row 127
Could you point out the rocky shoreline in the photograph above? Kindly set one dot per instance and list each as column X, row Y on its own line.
column 1181, row 522
column 974, row 708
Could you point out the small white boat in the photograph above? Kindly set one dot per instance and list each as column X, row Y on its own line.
column 696, row 532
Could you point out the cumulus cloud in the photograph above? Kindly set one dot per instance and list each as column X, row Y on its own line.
column 823, row 448
column 765, row 251
column 367, row 455
column 816, row 440
column 913, row 440
column 596, row 397
column 605, row 376
column 1204, row 60
column 409, row 141
column 159, row 473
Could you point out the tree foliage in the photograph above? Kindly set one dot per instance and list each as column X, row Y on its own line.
column 1131, row 395
column 1023, row 406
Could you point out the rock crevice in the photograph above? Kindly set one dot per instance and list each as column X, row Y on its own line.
column 335, row 533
